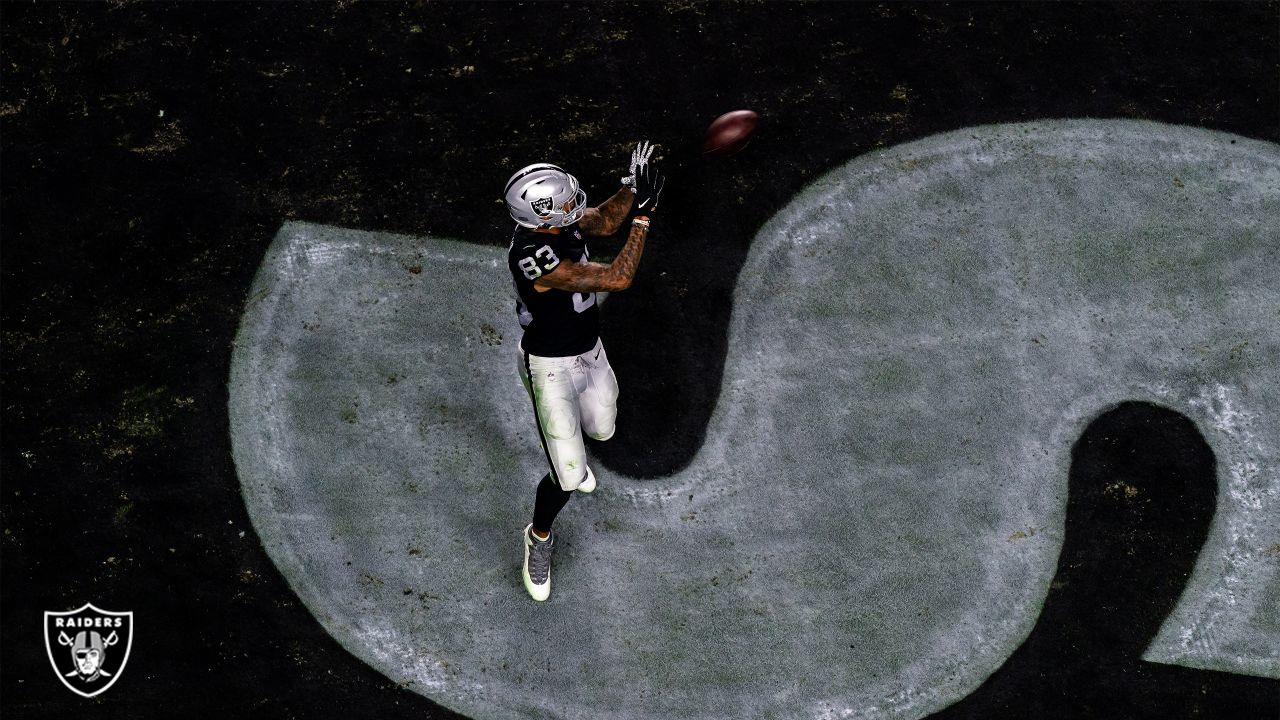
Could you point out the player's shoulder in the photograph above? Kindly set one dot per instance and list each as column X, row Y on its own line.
column 523, row 241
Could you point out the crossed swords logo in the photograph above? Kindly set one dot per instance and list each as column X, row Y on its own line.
column 87, row 634
column 541, row 206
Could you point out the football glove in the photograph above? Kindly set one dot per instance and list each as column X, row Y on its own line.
column 639, row 159
column 648, row 187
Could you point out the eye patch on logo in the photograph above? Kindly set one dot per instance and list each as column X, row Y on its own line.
column 541, row 206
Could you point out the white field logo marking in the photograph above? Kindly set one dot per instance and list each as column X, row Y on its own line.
column 88, row 647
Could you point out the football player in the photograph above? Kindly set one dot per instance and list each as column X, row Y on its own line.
column 562, row 362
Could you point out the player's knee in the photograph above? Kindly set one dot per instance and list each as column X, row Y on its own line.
column 599, row 418
column 601, row 434
column 571, row 475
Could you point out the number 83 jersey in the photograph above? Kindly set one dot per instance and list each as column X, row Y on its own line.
column 557, row 323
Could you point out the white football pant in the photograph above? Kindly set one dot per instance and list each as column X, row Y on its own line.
column 572, row 395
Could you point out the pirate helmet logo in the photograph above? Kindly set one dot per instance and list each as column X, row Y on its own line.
column 92, row 647
column 541, row 206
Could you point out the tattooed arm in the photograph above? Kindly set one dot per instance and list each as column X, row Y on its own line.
column 605, row 218
column 598, row 277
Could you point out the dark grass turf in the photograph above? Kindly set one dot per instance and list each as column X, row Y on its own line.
column 1142, row 491
column 129, row 240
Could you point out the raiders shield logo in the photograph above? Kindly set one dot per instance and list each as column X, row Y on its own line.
column 541, row 206
column 88, row 647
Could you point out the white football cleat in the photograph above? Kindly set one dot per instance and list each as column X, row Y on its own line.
column 537, row 564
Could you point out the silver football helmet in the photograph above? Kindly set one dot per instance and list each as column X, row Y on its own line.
column 542, row 195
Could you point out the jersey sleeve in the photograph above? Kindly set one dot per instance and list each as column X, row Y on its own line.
column 539, row 257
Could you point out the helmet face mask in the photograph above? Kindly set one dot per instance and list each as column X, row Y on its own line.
column 543, row 195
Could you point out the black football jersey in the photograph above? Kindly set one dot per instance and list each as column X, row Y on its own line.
column 557, row 323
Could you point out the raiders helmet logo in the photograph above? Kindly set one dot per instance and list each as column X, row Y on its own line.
column 541, row 206
column 88, row 647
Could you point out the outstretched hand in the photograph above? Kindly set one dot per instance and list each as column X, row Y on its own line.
column 639, row 160
column 648, row 187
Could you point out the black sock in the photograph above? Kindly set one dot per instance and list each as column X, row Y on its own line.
column 549, row 501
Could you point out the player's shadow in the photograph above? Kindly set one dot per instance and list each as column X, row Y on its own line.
column 1142, row 493
column 667, row 335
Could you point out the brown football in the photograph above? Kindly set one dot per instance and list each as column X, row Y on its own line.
column 729, row 133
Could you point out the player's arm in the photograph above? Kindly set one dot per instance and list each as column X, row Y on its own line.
column 607, row 217
column 598, row 277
